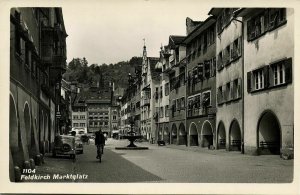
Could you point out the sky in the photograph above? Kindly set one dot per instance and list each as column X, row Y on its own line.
column 113, row 31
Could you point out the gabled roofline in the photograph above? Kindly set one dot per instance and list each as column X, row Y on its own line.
column 200, row 28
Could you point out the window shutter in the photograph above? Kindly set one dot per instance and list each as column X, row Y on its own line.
column 218, row 63
column 249, row 29
column 224, row 97
column 239, row 49
column 239, row 89
column 249, row 82
column 266, row 20
column 231, row 91
column 266, row 76
column 231, row 50
column 234, row 90
column 23, row 53
column 288, row 70
column 271, row 76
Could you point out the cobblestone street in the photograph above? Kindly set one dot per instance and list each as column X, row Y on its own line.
column 171, row 164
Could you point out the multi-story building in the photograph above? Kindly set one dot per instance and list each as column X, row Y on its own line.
column 65, row 108
column 114, row 118
column 124, row 123
column 201, row 84
column 37, row 62
column 98, row 112
column 150, row 79
column 176, row 69
column 268, row 48
column 79, row 112
column 229, row 80
column 161, row 96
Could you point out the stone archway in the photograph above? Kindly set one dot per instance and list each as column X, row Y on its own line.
column 206, row 134
column 221, row 138
column 46, row 133
column 166, row 135
column 174, row 134
column 42, row 133
column 182, row 135
column 28, row 129
column 269, row 134
column 235, row 138
column 15, row 143
column 193, row 133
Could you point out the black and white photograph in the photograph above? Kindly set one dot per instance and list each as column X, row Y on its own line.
column 148, row 92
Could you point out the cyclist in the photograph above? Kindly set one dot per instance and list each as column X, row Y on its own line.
column 99, row 141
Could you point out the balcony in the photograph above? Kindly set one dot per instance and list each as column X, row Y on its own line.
column 53, row 48
column 47, row 44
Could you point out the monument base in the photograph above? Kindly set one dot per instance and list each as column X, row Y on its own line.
column 131, row 148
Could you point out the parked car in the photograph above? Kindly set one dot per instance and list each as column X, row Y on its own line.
column 85, row 139
column 78, row 145
column 64, row 145
column 79, row 130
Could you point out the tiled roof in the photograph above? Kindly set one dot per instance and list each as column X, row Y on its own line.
column 176, row 39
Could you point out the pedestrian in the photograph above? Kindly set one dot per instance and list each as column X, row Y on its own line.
column 99, row 141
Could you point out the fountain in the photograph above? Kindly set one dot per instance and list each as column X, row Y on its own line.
column 131, row 136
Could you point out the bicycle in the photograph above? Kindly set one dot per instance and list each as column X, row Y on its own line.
column 99, row 152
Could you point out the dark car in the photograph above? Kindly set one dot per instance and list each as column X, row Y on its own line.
column 64, row 145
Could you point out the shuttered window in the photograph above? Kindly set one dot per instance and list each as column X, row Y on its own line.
column 276, row 74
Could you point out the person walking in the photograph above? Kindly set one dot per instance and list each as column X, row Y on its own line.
column 99, row 141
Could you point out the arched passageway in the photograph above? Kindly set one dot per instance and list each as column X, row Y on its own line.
column 193, row 135
column 28, row 129
column 182, row 135
column 42, row 133
column 174, row 134
column 206, row 134
column 221, row 138
column 15, row 143
column 235, row 136
column 46, row 133
column 160, row 133
column 269, row 134
column 166, row 135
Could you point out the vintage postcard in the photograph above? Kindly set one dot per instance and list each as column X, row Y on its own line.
column 149, row 97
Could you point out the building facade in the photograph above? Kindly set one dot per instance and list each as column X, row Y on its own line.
column 268, row 80
column 37, row 62
column 229, row 80
column 98, row 113
column 150, row 79
column 162, row 100
column 177, row 102
column 228, row 83
column 65, row 108
column 79, row 113
column 201, row 84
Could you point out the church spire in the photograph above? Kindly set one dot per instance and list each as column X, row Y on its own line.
column 144, row 50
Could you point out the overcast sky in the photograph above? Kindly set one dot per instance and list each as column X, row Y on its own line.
column 113, row 31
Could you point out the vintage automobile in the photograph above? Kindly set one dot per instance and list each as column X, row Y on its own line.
column 85, row 139
column 78, row 145
column 64, row 145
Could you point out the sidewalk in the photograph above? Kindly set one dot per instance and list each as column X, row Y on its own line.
column 219, row 152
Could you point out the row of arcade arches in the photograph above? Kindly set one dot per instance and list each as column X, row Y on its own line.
column 268, row 135
column 25, row 134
